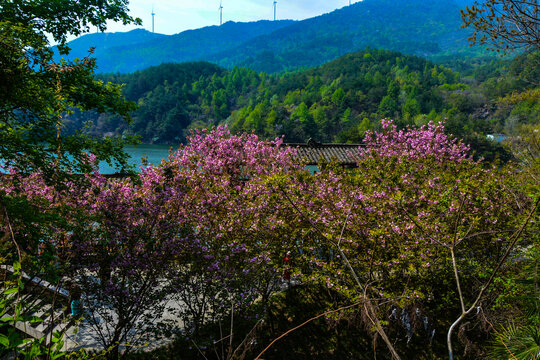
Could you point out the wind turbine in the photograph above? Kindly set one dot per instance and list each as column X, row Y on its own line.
column 275, row 2
column 220, row 13
column 153, row 14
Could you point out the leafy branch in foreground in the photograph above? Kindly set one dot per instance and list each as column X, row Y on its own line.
column 504, row 24
column 36, row 93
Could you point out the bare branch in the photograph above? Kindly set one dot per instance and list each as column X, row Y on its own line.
column 513, row 240
column 303, row 324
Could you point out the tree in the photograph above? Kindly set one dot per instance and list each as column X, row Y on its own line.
column 504, row 24
column 234, row 257
column 122, row 253
column 394, row 233
column 35, row 96
column 211, row 227
column 185, row 230
column 36, row 93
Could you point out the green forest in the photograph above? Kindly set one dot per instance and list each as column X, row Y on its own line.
column 334, row 103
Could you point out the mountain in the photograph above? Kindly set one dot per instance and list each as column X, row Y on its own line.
column 131, row 55
column 428, row 28
column 334, row 102
column 103, row 42
column 421, row 27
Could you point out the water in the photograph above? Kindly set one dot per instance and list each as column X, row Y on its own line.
column 154, row 154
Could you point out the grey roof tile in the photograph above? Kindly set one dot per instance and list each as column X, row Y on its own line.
column 312, row 152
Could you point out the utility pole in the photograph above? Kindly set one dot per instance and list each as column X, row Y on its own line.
column 275, row 2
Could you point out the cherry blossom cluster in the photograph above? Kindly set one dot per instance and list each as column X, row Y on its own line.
column 211, row 226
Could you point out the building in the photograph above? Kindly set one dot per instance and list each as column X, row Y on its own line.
column 312, row 152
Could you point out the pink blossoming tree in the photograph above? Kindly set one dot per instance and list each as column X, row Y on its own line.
column 403, row 234
column 415, row 212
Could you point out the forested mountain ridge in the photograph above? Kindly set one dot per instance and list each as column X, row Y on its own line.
column 321, row 103
column 103, row 42
column 154, row 49
column 336, row 102
column 427, row 28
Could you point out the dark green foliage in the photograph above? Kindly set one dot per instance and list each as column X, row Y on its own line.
column 519, row 297
column 388, row 24
column 343, row 334
column 336, row 102
column 425, row 28
column 36, row 93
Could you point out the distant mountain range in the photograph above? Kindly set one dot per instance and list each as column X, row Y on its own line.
column 140, row 49
column 104, row 42
column 429, row 28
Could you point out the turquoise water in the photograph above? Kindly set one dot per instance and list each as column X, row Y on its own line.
column 153, row 153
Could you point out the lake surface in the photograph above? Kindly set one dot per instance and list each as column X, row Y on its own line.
column 154, row 154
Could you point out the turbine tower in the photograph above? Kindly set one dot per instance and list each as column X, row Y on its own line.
column 275, row 2
column 153, row 14
column 220, row 13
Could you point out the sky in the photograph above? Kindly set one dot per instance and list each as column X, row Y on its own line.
column 174, row 16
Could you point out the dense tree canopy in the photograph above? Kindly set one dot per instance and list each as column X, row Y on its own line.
column 36, row 93
column 210, row 229
column 336, row 102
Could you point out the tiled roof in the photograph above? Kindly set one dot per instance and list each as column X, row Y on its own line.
column 312, row 152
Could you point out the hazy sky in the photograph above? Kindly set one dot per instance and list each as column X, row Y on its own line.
column 174, row 16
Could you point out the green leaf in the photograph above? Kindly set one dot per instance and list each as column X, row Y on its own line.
column 11, row 291
column 34, row 319
column 4, row 341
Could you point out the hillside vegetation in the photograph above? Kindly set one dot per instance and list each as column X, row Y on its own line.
column 425, row 28
column 139, row 49
column 336, row 102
